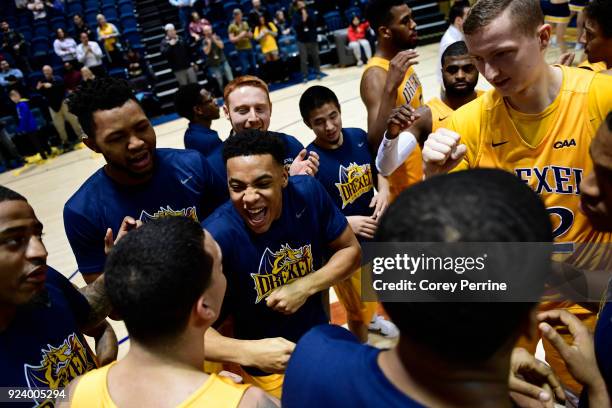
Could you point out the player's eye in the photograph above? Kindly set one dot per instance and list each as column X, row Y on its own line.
column 452, row 70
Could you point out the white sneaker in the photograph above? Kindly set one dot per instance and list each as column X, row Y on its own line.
column 384, row 327
column 359, row 63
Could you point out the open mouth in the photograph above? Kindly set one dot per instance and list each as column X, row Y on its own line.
column 141, row 160
column 502, row 83
column 256, row 216
column 37, row 276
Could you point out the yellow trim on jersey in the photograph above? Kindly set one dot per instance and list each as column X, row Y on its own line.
column 410, row 91
column 595, row 67
column 554, row 19
column 221, row 392
column 441, row 112
column 272, row 384
column 575, row 8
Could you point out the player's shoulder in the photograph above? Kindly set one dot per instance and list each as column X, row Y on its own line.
column 304, row 185
column 178, row 157
column 290, row 141
column 355, row 134
column 88, row 194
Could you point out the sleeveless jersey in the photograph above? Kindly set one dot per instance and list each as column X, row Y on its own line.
column 410, row 91
column 441, row 112
column 595, row 66
column 92, row 391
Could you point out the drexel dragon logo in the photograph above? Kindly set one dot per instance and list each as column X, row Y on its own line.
column 189, row 212
column 59, row 365
column 280, row 268
column 355, row 180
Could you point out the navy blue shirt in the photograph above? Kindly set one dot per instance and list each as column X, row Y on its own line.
column 202, row 139
column 330, row 368
column 256, row 264
column 348, row 173
column 42, row 347
column 293, row 147
column 183, row 184
column 603, row 340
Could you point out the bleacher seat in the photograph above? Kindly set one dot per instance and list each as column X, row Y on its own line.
column 41, row 30
column 128, row 21
column 58, row 22
column 132, row 38
column 110, row 12
column 126, row 7
column 39, row 46
column 74, row 8
column 228, row 8
column 117, row 73
column 288, row 46
column 34, row 77
column 91, row 4
column 246, row 6
column 333, row 21
column 350, row 12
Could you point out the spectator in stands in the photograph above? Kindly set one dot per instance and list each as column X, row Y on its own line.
column 179, row 57
column 137, row 67
column 80, row 26
column 90, row 55
column 284, row 27
column 306, row 31
column 87, row 75
column 108, row 33
column 357, row 39
column 216, row 62
column 454, row 32
column 257, row 11
column 196, row 26
column 240, row 36
column 54, row 90
column 27, row 129
column 64, row 46
column 185, row 7
column 9, row 155
column 38, row 8
column 8, row 75
column 265, row 32
column 195, row 103
column 72, row 77
column 14, row 44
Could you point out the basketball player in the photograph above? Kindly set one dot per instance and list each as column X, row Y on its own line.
column 460, row 76
column 389, row 80
column 273, row 235
column 167, row 303
column 138, row 180
column 598, row 33
column 449, row 354
column 42, row 315
column 196, row 104
column 538, row 123
column 348, row 174
column 557, row 12
column 248, row 106
column 577, row 9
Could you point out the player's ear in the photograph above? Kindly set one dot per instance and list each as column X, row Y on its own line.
column 384, row 31
column 226, row 111
column 544, row 35
column 204, row 312
column 91, row 143
column 285, row 177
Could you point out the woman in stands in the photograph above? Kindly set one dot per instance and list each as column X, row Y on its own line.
column 357, row 38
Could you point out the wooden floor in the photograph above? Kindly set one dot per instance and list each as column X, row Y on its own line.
column 49, row 185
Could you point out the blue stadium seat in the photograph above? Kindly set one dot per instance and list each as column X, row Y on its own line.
column 132, row 38
column 58, row 22
column 288, row 46
column 110, row 12
column 91, row 4
column 229, row 7
column 108, row 3
column 41, row 30
column 128, row 21
column 90, row 18
column 350, row 12
column 126, row 7
column 246, row 6
column 333, row 21
column 74, row 8
column 34, row 77
column 40, row 46
column 117, row 73
column 26, row 31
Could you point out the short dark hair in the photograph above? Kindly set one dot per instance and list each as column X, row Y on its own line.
column 609, row 121
column 186, row 98
column 252, row 142
column 100, row 94
column 6, row 194
column 481, row 205
column 454, row 50
column 378, row 12
column 601, row 11
column 315, row 97
column 155, row 274
column 457, row 10
column 527, row 15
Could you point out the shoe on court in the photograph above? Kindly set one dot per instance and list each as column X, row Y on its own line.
column 383, row 327
column 359, row 63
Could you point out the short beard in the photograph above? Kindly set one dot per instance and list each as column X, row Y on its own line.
column 450, row 91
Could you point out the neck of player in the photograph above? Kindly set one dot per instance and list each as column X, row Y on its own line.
column 455, row 101
column 124, row 178
column 536, row 97
column 425, row 377
column 199, row 120
column 7, row 314
column 386, row 50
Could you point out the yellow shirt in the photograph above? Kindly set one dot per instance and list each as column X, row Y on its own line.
column 219, row 392
column 596, row 66
column 441, row 112
column 548, row 151
column 267, row 42
column 410, row 91
column 108, row 29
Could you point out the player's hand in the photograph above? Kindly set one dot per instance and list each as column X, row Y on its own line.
column 127, row 225
column 398, row 67
column 380, row 202
column 363, row 226
column 579, row 357
column 567, row 58
column 442, row 152
column 270, row 355
column 532, row 383
column 303, row 165
column 401, row 118
column 288, row 298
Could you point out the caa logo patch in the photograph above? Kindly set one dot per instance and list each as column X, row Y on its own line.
column 565, row 143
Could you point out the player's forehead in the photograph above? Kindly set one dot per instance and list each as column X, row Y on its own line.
column 248, row 95
column 500, row 33
column 249, row 169
column 458, row 60
column 117, row 119
column 400, row 13
column 323, row 111
column 17, row 214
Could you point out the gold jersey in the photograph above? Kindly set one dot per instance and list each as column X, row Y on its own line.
column 410, row 91
column 441, row 112
column 92, row 391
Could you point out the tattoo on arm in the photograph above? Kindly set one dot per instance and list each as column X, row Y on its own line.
column 100, row 306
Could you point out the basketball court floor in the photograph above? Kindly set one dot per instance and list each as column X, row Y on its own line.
column 49, row 184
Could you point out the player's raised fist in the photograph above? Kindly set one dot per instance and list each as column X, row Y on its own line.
column 442, row 152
